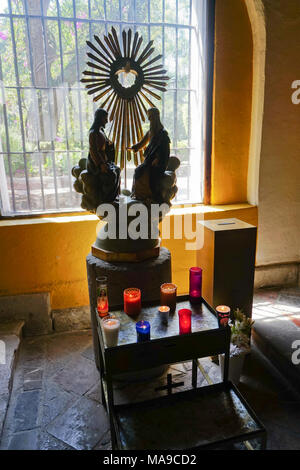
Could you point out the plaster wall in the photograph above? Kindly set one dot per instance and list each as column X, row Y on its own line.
column 232, row 102
column 48, row 254
column 256, row 145
column 279, row 175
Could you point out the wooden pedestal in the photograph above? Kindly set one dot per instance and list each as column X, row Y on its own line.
column 228, row 261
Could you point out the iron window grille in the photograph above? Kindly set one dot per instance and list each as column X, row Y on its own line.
column 45, row 112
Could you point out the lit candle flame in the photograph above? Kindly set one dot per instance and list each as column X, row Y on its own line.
column 223, row 309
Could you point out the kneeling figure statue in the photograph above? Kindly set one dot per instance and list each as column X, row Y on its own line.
column 97, row 177
column 155, row 180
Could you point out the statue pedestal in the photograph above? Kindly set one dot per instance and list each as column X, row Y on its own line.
column 134, row 257
column 147, row 275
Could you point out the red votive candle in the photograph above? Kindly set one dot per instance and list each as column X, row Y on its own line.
column 223, row 314
column 195, row 284
column 168, row 293
column 185, row 321
column 132, row 301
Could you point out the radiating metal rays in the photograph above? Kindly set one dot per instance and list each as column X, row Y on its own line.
column 127, row 105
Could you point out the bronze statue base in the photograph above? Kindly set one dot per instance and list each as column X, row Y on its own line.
column 134, row 257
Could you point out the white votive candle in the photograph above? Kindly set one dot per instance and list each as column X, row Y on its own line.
column 111, row 327
column 164, row 311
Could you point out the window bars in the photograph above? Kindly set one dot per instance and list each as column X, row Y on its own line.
column 45, row 113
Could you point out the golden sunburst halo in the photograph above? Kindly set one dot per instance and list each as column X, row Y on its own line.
column 127, row 106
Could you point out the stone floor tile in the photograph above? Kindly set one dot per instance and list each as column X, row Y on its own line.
column 293, row 291
column 104, row 443
column 82, row 425
column 9, row 423
column 288, row 300
column 33, row 385
column 61, row 348
column 27, row 440
column 26, row 410
column 78, row 376
column 280, row 439
column 177, row 369
column 64, row 343
column 268, row 294
column 89, row 353
column 48, row 442
column 213, row 370
column 6, row 373
column 32, row 353
column 187, row 365
column 3, row 406
column 77, row 341
column 55, row 401
column 33, row 378
column 95, row 393
column 35, row 373
column 53, row 366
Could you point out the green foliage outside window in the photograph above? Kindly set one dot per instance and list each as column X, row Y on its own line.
column 51, row 87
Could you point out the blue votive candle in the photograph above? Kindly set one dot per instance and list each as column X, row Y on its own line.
column 142, row 331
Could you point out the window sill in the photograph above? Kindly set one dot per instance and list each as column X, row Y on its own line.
column 208, row 209
column 208, row 212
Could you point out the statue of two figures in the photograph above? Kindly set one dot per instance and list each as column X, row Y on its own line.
column 154, row 181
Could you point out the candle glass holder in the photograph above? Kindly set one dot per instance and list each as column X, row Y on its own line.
column 163, row 312
column 142, row 331
column 195, row 291
column 111, row 328
column 132, row 301
column 223, row 312
column 168, row 294
column 102, row 298
column 185, row 321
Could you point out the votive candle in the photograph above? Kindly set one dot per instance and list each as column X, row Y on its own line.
column 142, row 331
column 223, row 312
column 111, row 328
column 195, row 284
column 168, row 294
column 164, row 311
column 102, row 299
column 132, row 301
column 185, row 321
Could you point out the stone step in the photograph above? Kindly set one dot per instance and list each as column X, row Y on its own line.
column 12, row 328
column 276, row 330
column 70, row 319
column 10, row 338
column 275, row 339
column 34, row 309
